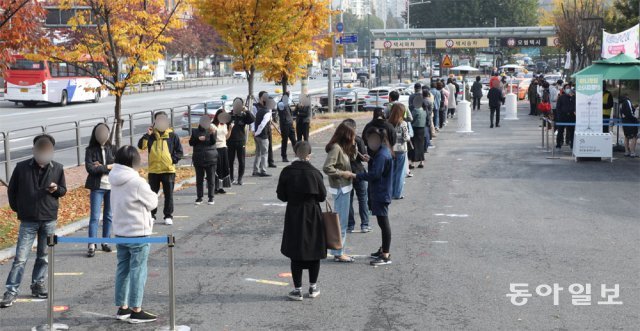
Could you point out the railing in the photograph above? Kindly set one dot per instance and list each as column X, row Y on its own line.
column 183, row 84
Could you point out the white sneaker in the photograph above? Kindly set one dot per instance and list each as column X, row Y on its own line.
column 168, row 221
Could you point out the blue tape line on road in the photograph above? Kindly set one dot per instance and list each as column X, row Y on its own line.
column 119, row 240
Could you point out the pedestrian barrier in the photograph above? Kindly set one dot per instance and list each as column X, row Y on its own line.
column 53, row 240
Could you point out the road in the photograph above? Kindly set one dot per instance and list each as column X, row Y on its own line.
column 488, row 210
column 59, row 120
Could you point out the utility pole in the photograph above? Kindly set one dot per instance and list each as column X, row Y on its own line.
column 495, row 25
column 330, row 69
column 370, row 49
column 341, row 53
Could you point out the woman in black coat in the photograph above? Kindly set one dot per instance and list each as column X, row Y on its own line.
column 303, row 240
column 205, row 157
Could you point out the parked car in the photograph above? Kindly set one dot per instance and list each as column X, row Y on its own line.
column 240, row 75
column 379, row 96
column 174, row 76
column 348, row 75
column 198, row 110
column 346, row 99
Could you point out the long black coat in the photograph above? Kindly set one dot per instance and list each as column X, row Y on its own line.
column 302, row 187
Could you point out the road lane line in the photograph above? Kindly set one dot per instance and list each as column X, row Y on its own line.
column 265, row 281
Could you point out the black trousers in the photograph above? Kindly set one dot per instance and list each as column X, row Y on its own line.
column 560, row 138
column 495, row 111
column 605, row 123
column 451, row 111
column 298, row 266
column 211, row 178
column 270, row 149
column 236, row 149
column 168, row 181
column 443, row 113
column 476, row 103
column 288, row 134
column 534, row 108
column 385, row 228
column 302, row 131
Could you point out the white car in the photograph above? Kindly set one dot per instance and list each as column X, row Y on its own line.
column 379, row 96
column 174, row 76
column 240, row 74
column 197, row 111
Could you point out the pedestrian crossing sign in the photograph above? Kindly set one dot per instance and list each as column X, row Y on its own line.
column 446, row 62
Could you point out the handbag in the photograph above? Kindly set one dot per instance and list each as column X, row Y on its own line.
column 332, row 231
column 544, row 107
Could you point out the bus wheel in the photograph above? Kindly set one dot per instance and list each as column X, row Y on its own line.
column 64, row 100
column 96, row 99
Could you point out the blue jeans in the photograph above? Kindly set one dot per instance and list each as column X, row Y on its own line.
column 28, row 232
column 131, row 274
column 360, row 190
column 398, row 173
column 341, row 207
column 96, row 198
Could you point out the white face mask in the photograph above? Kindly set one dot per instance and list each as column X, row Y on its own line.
column 567, row 91
column 43, row 158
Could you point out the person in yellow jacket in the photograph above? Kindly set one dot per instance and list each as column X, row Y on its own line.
column 607, row 106
column 165, row 151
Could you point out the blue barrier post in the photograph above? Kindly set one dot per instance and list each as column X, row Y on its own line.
column 52, row 240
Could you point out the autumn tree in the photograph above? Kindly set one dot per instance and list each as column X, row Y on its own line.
column 20, row 28
column 248, row 29
column 287, row 60
column 128, row 36
column 623, row 15
column 195, row 39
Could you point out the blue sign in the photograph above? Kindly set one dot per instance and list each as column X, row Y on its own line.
column 347, row 39
column 340, row 27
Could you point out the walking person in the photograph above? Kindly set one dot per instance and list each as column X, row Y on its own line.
column 416, row 154
column 303, row 118
column 566, row 113
column 260, row 135
column 241, row 117
column 399, row 150
column 132, row 201
column 476, row 93
column 359, row 186
column 205, row 158
column 340, row 151
column 34, row 189
column 223, row 132
column 630, row 129
column 287, row 132
column 451, row 106
column 301, row 186
column 380, row 187
column 165, row 151
column 98, row 161
column 496, row 100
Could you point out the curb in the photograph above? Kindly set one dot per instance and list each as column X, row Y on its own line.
column 10, row 252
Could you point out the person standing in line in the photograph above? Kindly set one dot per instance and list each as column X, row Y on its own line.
column 268, row 132
column 236, row 144
column 437, row 96
column 380, row 122
column 394, row 96
column 627, row 112
column 165, row 151
column 419, row 126
column 205, row 157
column 98, row 161
column 223, row 131
column 417, row 90
column 301, row 186
column 532, row 94
column 427, row 105
column 132, row 200
column 286, row 125
column 399, row 150
column 444, row 103
column 496, row 99
column 260, row 135
column 340, row 151
column 34, row 189
column 359, row 186
column 476, row 93
column 607, row 106
column 451, row 87
column 554, row 93
column 459, row 95
column 303, row 118
column 380, row 187
column 566, row 114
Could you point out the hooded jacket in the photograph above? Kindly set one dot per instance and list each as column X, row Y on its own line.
column 131, row 202
column 164, row 149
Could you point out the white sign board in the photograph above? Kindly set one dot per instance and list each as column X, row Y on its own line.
column 589, row 103
column 400, row 44
column 623, row 42
column 592, row 145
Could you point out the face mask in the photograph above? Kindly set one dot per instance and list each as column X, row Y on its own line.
column 162, row 125
column 567, row 91
column 43, row 158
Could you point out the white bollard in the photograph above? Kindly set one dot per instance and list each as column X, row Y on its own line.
column 464, row 116
column 511, row 105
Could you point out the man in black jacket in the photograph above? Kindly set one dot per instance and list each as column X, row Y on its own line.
column 566, row 113
column 236, row 144
column 495, row 102
column 303, row 118
column 286, row 125
column 34, row 189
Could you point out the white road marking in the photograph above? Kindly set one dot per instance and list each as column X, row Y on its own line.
column 443, row 222
column 97, row 314
column 275, row 204
column 439, row 241
column 452, row 215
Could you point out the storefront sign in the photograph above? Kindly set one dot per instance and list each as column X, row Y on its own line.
column 523, row 42
column 399, row 44
column 462, row 43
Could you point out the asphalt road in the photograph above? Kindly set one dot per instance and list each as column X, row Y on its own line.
column 488, row 210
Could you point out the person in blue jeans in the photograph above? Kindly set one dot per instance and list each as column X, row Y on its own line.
column 400, row 148
column 341, row 150
column 98, row 161
column 35, row 186
column 359, row 186
column 132, row 200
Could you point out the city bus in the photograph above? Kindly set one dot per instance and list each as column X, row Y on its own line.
column 31, row 82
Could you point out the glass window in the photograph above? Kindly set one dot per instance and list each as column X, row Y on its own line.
column 24, row 64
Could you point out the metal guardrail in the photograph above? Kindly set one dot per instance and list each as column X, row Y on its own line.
column 183, row 84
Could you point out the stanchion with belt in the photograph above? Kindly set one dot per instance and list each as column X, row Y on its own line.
column 53, row 240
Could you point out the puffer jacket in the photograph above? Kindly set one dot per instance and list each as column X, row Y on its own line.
column 164, row 149
column 131, row 201
column 205, row 153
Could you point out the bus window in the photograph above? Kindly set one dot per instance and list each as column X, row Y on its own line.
column 71, row 68
column 24, row 64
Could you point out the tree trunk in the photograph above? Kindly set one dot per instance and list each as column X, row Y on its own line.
column 118, row 120
column 250, row 76
column 285, row 82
